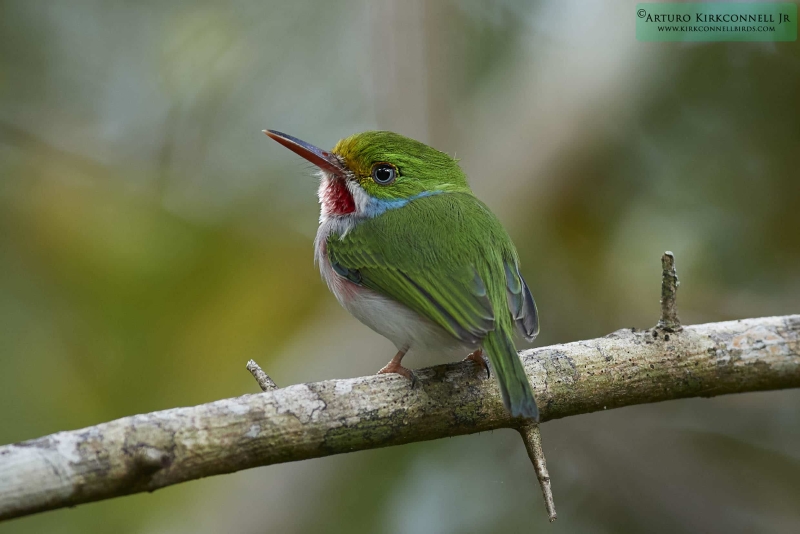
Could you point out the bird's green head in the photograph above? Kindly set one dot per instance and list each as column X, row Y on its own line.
column 388, row 165
column 370, row 172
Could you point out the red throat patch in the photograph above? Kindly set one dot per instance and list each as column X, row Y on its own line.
column 336, row 199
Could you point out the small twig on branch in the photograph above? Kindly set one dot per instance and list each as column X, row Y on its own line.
column 263, row 379
column 533, row 444
column 669, row 291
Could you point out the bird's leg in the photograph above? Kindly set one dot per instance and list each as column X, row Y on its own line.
column 394, row 367
column 477, row 357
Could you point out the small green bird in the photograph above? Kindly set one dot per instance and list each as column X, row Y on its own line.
column 407, row 248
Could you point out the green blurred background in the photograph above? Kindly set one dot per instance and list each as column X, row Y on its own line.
column 152, row 240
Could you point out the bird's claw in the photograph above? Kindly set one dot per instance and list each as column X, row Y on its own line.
column 402, row 371
column 414, row 379
column 477, row 357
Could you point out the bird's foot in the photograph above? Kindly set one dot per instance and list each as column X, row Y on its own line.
column 400, row 370
column 394, row 367
column 477, row 357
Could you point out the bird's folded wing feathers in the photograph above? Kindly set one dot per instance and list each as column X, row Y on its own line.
column 444, row 256
column 458, row 304
column 440, row 255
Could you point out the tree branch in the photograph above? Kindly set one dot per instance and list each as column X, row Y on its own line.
column 151, row 451
column 147, row 452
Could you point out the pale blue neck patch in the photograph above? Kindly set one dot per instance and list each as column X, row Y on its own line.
column 372, row 207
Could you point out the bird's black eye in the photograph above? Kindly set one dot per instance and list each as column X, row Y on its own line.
column 384, row 173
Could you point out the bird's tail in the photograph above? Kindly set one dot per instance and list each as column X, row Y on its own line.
column 514, row 385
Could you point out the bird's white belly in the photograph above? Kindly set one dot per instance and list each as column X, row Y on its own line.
column 396, row 322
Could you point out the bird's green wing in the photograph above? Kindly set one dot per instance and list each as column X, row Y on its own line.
column 458, row 305
column 442, row 256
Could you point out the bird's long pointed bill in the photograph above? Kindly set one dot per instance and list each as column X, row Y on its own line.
column 321, row 158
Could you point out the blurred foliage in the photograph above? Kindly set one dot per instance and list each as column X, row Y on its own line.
column 152, row 241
